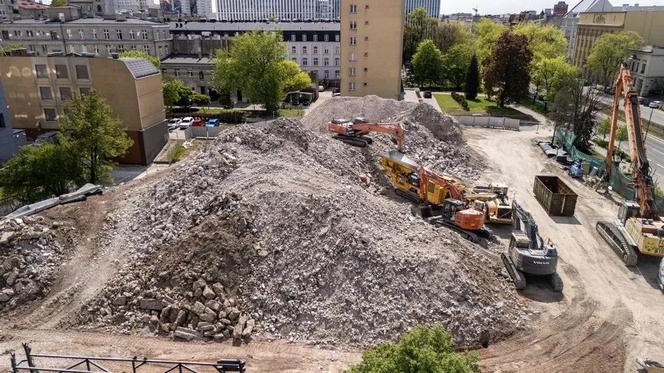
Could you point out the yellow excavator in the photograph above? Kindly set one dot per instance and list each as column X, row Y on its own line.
column 638, row 228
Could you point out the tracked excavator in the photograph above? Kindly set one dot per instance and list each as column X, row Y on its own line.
column 497, row 202
column 440, row 199
column 638, row 228
column 527, row 252
column 355, row 132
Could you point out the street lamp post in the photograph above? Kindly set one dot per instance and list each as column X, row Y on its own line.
column 652, row 109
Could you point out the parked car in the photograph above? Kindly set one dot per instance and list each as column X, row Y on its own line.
column 427, row 94
column 199, row 122
column 644, row 101
column 212, row 122
column 174, row 123
column 655, row 104
column 186, row 122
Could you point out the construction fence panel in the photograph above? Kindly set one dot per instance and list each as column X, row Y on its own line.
column 489, row 122
column 205, row 132
column 620, row 183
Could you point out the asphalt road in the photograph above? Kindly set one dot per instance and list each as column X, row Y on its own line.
column 657, row 115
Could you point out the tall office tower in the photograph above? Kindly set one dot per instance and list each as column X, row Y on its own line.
column 431, row 6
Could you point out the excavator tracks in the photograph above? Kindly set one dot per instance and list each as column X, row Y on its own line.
column 618, row 243
column 359, row 141
column 517, row 276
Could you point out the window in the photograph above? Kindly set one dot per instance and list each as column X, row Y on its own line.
column 201, row 75
column 353, row 57
column 94, row 34
column 337, row 38
column 292, row 37
column 315, row 37
column 42, row 71
column 326, row 74
column 304, row 37
column 144, row 34
column 132, row 35
column 353, row 8
column 351, row 71
column 55, row 35
column 65, row 93
column 176, row 72
column 84, row 90
column 82, row 72
column 191, row 73
column 337, row 74
column 294, row 50
column 107, row 35
column 366, row 54
column 17, row 33
column 336, row 50
column 315, row 61
column 146, row 49
column 365, row 84
column 326, row 51
column 326, row 37
column 50, row 115
column 81, row 34
column 366, row 38
column 351, row 86
column 326, row 61
column 353, row 25
column 119, row 34
column 61, row 72
column 68, row 33
column 45, row 93
column 353, row 40
column 2, row 121
column 45, row 48
column 366, row 23
column 315, row 50
column 643, row 68
column 304, row 50
column 294, row 59
column 336, row 61
column 305, row 62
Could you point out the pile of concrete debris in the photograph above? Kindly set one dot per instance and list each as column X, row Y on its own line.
column 31, row 249
column 283, row 225
column 432, row 138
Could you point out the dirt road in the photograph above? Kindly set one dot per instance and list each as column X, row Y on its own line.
column 608, row 314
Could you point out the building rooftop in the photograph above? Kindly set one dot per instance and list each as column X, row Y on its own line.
column 132, row 21
column 249, row 26
column 183, row 60
column 31, row 5
column 139, row 67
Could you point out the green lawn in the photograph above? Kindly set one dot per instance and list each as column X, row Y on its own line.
column 479, row 106
column 291, row 113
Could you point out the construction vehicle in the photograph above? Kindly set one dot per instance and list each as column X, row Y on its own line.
column 439, row 199
column 497, row 203
column 354, row 132
column 649, row 366
column 638, row 228
column 528, row 254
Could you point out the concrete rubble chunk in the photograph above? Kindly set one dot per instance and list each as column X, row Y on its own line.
column 187, row 334
column 151, row 304
column 208, row 293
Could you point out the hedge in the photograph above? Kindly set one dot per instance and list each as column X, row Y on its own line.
column 461, row 100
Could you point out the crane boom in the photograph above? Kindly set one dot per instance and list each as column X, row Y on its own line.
column 640, row 166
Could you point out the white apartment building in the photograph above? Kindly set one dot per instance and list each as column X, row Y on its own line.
column 647, row 66
column 88, row 35
column 284, row 10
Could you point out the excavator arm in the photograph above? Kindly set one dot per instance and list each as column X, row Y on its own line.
column 355, row 130
column 454, row 188
column 640, row 167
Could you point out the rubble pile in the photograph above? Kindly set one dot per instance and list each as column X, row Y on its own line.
column 31, row 250
column 281, row 231
column 431, row 137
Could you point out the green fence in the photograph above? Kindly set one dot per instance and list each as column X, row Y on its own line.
column 620, row 183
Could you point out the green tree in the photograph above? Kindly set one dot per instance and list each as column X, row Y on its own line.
column 575, row 107
column 59, row 3
column 549, row 73
column 455, row 64
column 427, row 64
column 419, row 26
column 94, row 135
column 200, row 99
column 603, row 127
column 487, row 33
column 40, row 171
column 545, row 41
column 171, row 91
column 295, row 78
column 472, row 79
column 4, row 49
column 622, row 134
column 422, row 349
column 144, row 55
column 448, row 34
column 609, row 51
column 254, row 65
column 507, row 70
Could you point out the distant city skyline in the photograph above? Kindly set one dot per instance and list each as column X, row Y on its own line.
column 516, row 6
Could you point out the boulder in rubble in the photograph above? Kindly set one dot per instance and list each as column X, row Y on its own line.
column 151, row 304
column 187, row 334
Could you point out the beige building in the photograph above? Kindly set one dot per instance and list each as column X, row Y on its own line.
column 39, row 89
column 647, row 22
column 371, row 46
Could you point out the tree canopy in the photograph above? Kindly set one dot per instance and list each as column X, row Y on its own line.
column 142, row 54
column 95, row 135
column 455, row 64
column 419, row 26
column 609, row 51
column 294, row 78
column 507, row 69
column 472, row 85
column 255, row 65
column 422, row 349
column 487, row 33
column 575, row 108
column 549, row 73
column 59, row 3
column 427, row 64
column 545, row 41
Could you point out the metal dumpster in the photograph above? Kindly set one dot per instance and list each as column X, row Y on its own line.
column 554, row 195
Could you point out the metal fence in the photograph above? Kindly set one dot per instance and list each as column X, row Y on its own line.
column 88, row 364
column 620, row 183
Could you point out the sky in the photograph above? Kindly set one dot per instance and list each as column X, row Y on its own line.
column 515, row 6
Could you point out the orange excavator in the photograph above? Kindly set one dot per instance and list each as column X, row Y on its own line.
column 638, row 229
column 354, row 132
column 440, row 199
